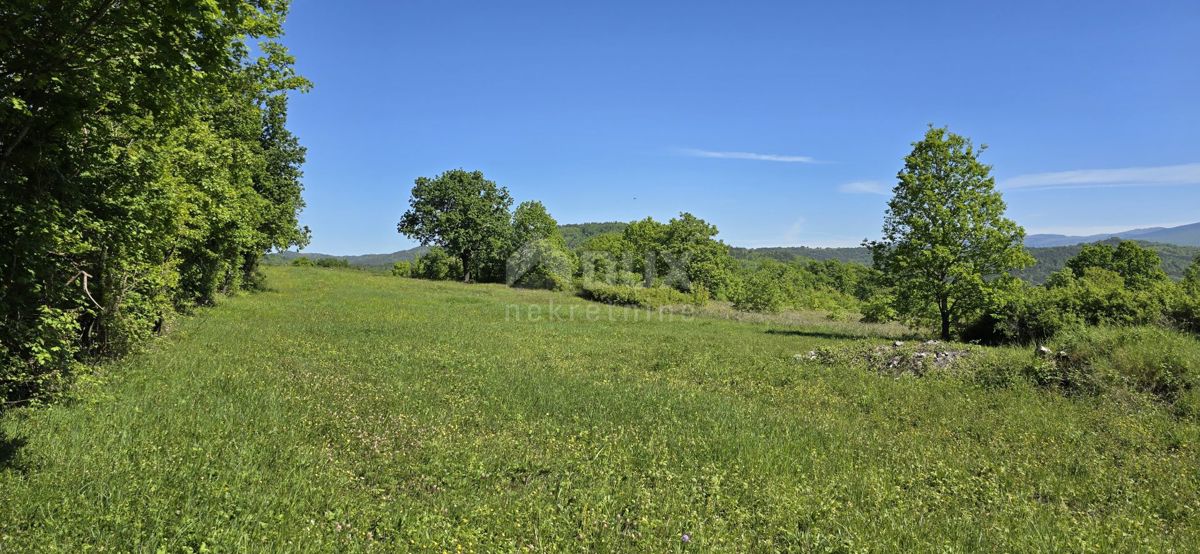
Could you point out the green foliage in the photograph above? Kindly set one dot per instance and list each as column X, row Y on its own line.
column 945, row 234
column 769, row 286
column 1150, row 360
column 879, row 309
column 467, row 216
column 1191, row 278
column 604, row 257
column 337, row 263
column 145, row 167
column 541, row 264
column 576, row 234
column 531, row 222
column 402, row 268
column 760, row 292
column 633, row 295
column 682, row 254
column 1139, row 267
column 1099, row 297
column 438, row 265
column 694, row 257
column 1185, row 313
column 1175, row 259
column 436, row 421
column 303, row 261
column 539, row 257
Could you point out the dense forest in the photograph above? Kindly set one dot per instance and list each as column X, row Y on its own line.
column 145, row 167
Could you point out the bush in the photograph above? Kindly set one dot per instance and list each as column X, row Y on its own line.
column 1151, row 360
column 624, row 295
column 1099, row 297
column 879, row 309
column 761, row 293
column 438, row 265
column 303, row 261
column 541, row 264
column 769, row 286
column 1184, row 313
column 338, row 263
column 402, row 269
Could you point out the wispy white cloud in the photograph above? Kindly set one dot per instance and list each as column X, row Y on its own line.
column 864, row 187
column 1184, row 174
column 746, row 156
column 795, row 231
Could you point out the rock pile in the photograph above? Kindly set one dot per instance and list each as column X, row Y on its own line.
column 896, row 359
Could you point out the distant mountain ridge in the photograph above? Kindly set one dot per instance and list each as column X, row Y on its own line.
column 364, row 260
column 1184, row 235
column 1175, row 259
column 1177, row 246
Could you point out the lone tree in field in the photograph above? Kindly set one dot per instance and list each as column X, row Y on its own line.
column 945, row 237
column 465, row 214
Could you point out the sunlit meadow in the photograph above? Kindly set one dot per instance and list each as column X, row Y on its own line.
column 348, row 411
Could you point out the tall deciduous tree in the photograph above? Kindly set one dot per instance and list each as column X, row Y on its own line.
column 464, row 213
column 145, row 165
column 946, row 244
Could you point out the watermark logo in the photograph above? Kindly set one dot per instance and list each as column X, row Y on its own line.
column 545, row 264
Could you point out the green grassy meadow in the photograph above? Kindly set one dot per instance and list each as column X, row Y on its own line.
column 348, row 411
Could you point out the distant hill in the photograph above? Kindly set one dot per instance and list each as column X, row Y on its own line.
column 1176, row 259
column 574, row 233
column 1184, row 235
column 1177, row 254
column 364, row 260
column 857, row 254
column 577, row 233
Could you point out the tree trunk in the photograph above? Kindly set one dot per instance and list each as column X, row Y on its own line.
column 944, row 308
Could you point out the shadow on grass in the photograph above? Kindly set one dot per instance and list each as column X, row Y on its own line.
column 8, row 451
column 826, row 334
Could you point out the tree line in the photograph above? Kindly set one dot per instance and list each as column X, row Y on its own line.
column 948, row 259
column 145, row 167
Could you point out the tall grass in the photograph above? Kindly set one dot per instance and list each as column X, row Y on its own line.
column 343, row 411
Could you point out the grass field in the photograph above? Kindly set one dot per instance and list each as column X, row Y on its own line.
column 348, row 411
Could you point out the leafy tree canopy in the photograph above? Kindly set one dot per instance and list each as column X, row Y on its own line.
column 465, row 214
column 945, row 235
column 531, row 222
column 145, row 166
column 1139, row 267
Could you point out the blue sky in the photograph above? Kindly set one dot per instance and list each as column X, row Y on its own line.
column 780, row 122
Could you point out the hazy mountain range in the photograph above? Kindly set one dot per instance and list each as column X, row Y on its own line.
column 1184, row 235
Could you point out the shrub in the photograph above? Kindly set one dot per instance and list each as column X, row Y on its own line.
column 438, row 265
column 303, row 261
column 759, row 293
column 769, row 286
column 402, row 268
column 624, row 295
column 1184, row 312
column 1151, row 360
column 879, row 309
column 1099, row 297
column 338, row 263
column 541, row 264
